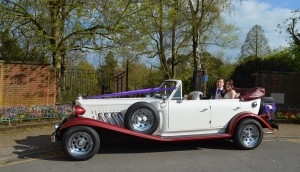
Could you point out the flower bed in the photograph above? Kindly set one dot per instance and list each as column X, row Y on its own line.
column 19, row 114
column 287, row 115
column 287, row 111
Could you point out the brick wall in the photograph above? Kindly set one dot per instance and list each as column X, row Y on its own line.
column 26, row 84
column 1, row 83
column 287, row 83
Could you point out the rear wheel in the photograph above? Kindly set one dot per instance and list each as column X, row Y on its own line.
column 248, row 134
column 80, row 142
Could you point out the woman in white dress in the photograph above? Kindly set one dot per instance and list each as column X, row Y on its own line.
column 229, row 88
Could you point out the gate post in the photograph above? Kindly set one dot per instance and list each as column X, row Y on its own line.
column 201, row 79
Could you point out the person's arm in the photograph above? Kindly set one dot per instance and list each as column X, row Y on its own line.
column 232, row 94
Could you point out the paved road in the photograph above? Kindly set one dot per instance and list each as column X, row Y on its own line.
column 274, row 154
column 23, row 143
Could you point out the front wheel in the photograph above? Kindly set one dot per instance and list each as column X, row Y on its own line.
column 248, row 134
column 80, row 142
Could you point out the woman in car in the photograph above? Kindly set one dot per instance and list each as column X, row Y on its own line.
column 230, row 92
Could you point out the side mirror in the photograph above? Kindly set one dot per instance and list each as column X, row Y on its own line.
column 164, row 98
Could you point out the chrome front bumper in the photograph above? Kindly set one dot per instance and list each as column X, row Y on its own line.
column 54, row 137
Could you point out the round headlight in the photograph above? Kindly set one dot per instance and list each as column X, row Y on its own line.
column 56, row 126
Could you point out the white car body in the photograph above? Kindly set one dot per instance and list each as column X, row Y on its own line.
column 166, row 116
column 178, row 116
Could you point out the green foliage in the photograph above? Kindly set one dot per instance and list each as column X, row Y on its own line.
column 9, row 48
column 84, row 65
column 140, row 76
column 109, row 63
column 82, row 80
column 284, row 60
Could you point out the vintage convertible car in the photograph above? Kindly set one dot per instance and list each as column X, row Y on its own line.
column 164, row 115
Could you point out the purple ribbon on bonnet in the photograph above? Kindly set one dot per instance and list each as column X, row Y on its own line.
column 126, row 93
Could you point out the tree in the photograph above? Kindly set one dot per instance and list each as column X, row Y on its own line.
column 162, row 29
column 108, row 71
column 74, row 58
column 84, row 65
column 204, row 17
column 157, row 30
column 142, row 76
column 64, row 25
column 291, row 26
column 110, row 63
column 81, row 79
column 256, row 44
column 12, row 50
column 9, row 48
column 280, row 60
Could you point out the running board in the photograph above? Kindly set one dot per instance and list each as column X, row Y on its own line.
column 195, row 137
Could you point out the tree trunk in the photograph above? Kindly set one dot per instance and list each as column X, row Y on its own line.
column 161, row 52
column 173, row 73
column 196, row 57
column 57, row 32
column 57, row 64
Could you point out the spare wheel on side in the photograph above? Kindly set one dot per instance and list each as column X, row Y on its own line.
column 142, row 117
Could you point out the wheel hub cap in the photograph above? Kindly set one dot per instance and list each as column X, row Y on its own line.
column 142, row 119
column 250, row 135
column 80, row 143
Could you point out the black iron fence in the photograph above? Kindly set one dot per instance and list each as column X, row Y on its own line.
column 90, row 82
column 77, row 82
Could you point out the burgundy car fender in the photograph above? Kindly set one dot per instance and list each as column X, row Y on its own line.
column 99, row 124
column 236, row 119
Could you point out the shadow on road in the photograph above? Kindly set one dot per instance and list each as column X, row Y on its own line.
column 40, row 147
column 34, row 145
column 119, row 148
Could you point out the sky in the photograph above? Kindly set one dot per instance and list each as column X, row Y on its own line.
column 247, row 13
column 266, row 13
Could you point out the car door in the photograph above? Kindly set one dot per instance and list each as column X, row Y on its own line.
column 189, row 115
column 222, row 110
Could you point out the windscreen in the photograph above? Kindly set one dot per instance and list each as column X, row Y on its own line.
column 169, row 86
